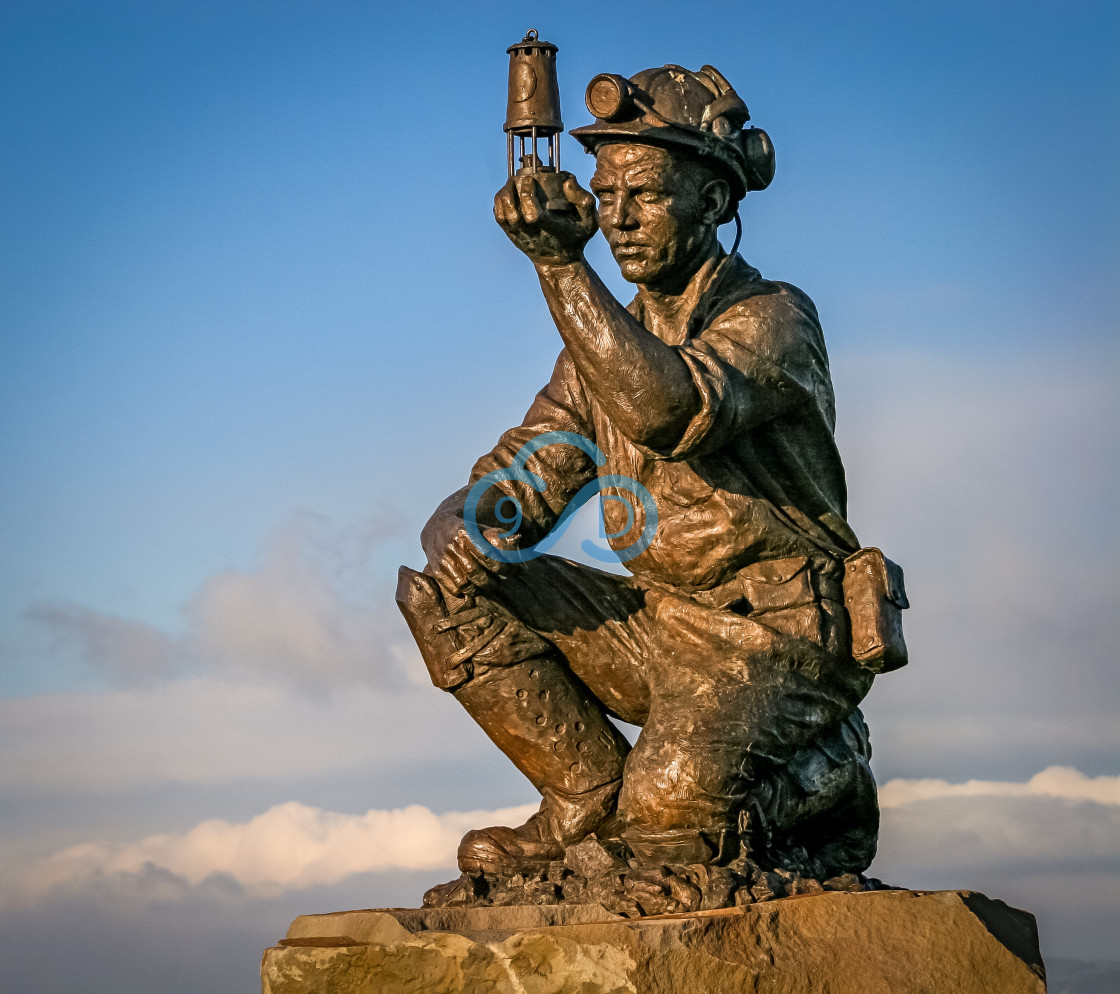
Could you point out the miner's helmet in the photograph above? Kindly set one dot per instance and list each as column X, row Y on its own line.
column 673, row 107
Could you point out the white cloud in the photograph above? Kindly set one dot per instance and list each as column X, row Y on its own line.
column 284, row 620
column 1050, row 845
column 207, row 731
column 1055, row 781
column 289, row 847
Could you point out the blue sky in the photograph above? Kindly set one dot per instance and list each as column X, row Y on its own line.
column 256, row 321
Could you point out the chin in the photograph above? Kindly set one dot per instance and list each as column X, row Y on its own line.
column 636, row 270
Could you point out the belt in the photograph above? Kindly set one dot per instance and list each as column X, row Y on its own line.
column 776, row 584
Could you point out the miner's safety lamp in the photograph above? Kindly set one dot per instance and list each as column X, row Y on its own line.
column 533, row 106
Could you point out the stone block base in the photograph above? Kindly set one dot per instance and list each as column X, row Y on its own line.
column 877, row 942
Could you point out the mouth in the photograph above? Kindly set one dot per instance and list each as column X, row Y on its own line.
column 629, row 249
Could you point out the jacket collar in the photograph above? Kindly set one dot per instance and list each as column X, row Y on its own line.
column 726, row 279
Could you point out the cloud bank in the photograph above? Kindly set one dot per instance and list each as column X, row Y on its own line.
column 1058, row 817
column 1055, row 781
column 289, row 847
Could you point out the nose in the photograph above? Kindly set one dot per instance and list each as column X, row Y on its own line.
column 618, row 213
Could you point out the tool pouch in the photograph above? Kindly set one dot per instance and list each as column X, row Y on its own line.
column 875, row 597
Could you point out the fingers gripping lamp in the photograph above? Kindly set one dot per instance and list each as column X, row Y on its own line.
column 533, row 113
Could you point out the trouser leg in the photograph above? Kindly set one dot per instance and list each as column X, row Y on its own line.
column 733, row 702
column 517, row 687
column 727, row 702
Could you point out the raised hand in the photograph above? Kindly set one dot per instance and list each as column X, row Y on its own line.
column 546, row 235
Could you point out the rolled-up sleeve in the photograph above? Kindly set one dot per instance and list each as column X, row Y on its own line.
column 755, row 361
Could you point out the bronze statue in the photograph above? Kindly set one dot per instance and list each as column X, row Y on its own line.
column 752, row 624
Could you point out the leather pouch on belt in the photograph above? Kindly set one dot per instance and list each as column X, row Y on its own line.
column 875, row 597
column 778, row 584
column 781, row 594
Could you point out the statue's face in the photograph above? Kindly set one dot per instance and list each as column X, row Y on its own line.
column 652, row 212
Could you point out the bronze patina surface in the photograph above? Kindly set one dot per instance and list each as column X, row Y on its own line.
column 731, row 642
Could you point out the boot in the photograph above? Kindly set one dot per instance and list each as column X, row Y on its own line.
column 516, row 686
column 562, row 821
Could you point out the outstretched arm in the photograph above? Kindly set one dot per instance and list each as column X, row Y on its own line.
column 643, row 384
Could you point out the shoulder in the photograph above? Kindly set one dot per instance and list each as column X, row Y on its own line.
column 775, row 320
column 744, row 296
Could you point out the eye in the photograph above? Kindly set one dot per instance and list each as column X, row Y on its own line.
column 648, row 197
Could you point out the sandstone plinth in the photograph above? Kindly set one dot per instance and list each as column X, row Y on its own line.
column 878, row 942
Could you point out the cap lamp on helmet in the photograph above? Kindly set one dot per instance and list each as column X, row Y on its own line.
column 673, row 107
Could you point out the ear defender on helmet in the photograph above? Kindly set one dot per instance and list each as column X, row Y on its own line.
column 758, row 151
column 610, row 97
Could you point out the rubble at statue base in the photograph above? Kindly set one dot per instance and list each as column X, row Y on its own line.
column 595, row 872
